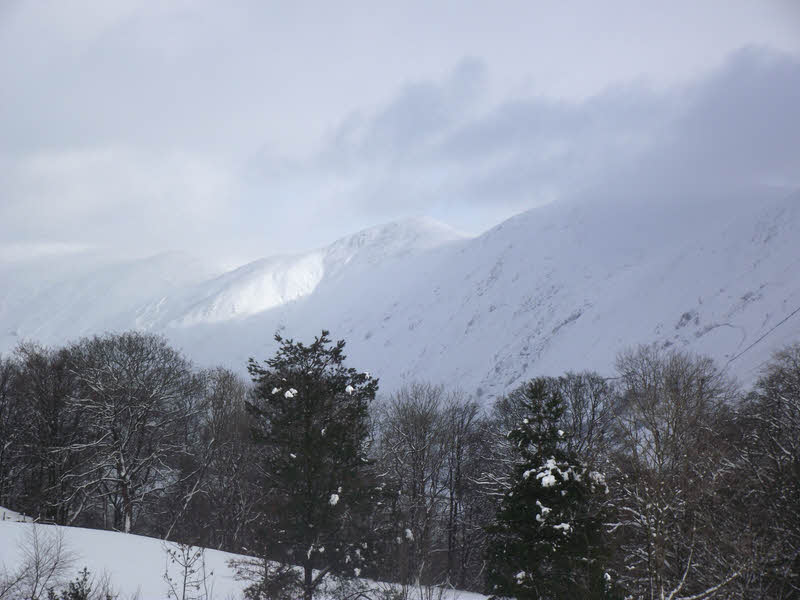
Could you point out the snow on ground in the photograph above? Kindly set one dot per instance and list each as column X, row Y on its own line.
column 134, row 563
column 15, row 517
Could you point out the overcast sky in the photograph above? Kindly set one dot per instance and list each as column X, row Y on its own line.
column 242, row 129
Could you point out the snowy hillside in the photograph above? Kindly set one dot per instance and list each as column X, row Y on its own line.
column 134, row 564
column 49, row 300
column 560, row 287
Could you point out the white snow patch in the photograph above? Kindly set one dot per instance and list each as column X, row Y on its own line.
column 548, row 480
column 564, row 527
column 545, row 510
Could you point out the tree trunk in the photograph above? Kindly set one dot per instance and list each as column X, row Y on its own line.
column 127, row 508
column 308, row 580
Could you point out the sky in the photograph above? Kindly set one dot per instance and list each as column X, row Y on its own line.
column 240, row 129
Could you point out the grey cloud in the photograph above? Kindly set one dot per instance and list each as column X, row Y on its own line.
column 438, row 150
column 147, row 126
column 419, row 114
column 737, row 133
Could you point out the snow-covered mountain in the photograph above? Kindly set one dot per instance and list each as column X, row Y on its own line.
column 565, row 286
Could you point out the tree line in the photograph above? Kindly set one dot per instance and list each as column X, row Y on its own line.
column 666, row 480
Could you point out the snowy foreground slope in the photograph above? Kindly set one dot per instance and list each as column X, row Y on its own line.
column 566, row 286
column 135, row 564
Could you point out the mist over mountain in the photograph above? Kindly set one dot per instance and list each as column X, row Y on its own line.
column 565, row 286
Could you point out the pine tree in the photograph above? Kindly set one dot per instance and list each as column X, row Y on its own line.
column 546, row 539
column 311, row 421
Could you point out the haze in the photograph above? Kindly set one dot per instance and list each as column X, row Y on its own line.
column 244, row 129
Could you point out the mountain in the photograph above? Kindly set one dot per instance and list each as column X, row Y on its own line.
column 565, row 286
column 276, row 281
column 52, row 300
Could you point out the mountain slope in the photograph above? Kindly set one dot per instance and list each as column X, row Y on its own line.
column 276, row 281
column 560, row 287
column 50, row 300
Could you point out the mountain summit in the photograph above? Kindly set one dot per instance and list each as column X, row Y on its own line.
column 560, row 287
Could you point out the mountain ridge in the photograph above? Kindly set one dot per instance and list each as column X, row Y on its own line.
column 556, row 288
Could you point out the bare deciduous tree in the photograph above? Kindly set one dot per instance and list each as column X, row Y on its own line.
column 467, row 434
column 219, row 487
column 671, row 476
column 47, row 427
column 771, row 473
column 45, row 562
column 185, row 573
column 413, row 453
column 135, row 395
column 10, row 432
column 432, row 447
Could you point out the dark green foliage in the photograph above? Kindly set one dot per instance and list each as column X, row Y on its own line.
column 311, row 421
column 271, row 580
column 546, row 541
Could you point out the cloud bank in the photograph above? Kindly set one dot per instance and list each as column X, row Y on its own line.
column 134, row 128
column 436, row 149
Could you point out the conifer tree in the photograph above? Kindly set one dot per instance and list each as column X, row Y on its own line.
column 546, row 539
column 311, row 421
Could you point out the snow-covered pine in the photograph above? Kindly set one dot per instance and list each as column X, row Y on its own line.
column 547, row 540
column 318, row 481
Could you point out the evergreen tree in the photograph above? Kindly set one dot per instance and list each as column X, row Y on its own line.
column 546, row 539
column 312, row 423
